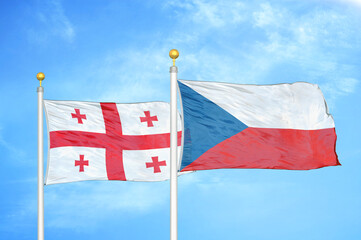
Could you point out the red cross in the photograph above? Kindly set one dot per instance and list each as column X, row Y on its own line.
column 79, row 116
column 81, row 163
column 149, row 119
column 112, row 140
column 155, row 164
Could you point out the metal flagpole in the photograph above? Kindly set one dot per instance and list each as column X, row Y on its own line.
column 40, row 76
column 173, row 148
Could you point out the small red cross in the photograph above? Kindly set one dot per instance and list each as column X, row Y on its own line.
column 79, row 116
column 149, row 119
column 156, row 164
column 81, row 163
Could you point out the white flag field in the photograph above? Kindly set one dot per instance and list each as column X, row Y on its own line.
column 108, row 141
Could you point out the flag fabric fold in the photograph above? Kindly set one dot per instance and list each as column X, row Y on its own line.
column 108, row 141
column 282, row 126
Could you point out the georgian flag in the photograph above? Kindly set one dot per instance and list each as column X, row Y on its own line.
column 108, row 141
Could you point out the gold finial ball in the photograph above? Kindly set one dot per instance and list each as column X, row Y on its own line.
column 173, row 53
column 40, row 76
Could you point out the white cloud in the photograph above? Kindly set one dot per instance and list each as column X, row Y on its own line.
column 352, row 2
column 52, row 22
column 135, row 75
column 13, row 152
column 210, row 13
column 267, row 16
column 311, row 42
column 335, row 88
column 70, row 205
column 348, row 85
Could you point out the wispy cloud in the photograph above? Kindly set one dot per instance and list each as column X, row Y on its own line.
column 316, row 43
column 11, row 150
column 70, row 205
column 52, row 22
column 100, row 201
column 310, row 44
column 339, row 87
column 268, row 16
column 270, row 44
column 137, row 75
column 348, row 85
column 356, row 3
column 211, row 14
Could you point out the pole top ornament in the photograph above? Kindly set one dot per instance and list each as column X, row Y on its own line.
column 40, row 76
column 173, row 54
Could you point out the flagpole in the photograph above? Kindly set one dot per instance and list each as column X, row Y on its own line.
column 173, row 148
column 40, row 76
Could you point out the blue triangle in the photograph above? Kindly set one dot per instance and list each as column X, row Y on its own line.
column 205, row 124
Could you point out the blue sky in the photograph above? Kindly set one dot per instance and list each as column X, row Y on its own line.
column 118, row 51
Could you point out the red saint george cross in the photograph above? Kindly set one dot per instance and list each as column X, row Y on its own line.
column 81, row 163
column 155, row 164
column 149, row 119
column 79, row 116
column 112, row 140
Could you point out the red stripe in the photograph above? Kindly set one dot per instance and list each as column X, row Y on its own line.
column 272, row 149
column 113, row 126
column 113, row 141
column 77, row 139
column 114, row 151
column 100, row 140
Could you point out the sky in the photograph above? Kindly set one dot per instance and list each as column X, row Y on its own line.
column 118, row 51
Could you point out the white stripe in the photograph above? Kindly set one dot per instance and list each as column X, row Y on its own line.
column 60, row 115
column 62, row 167
column 131, row 114
column 293, row 106
column 135, row 164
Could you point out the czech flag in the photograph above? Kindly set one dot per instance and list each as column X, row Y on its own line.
column 281, row 126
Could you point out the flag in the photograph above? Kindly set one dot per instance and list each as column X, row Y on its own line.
column 108, row 141
column 282, row 126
